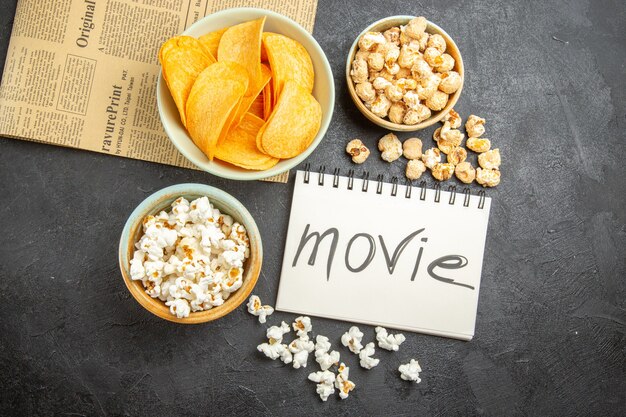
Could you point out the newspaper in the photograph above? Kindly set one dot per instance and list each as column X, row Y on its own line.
column 83, row 73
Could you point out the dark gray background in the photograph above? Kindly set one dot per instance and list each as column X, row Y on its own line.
column 550, row 334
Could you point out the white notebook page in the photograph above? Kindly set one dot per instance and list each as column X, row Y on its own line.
column 430, row 286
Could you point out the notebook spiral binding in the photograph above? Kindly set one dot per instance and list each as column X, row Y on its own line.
column 394, row 186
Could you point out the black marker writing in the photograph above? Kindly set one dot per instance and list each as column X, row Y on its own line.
column 370, row 255
column 318, row 238
column 391, row 262
column 448, row 262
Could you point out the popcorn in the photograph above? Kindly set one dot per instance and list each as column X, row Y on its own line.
column 442, row 171
column 302, row 326
column 387, row 341
column 478, row 145
column 415, row 27
column 370, row 40
column 365, row 357
column 428, row 87
column 322, row 355
column 437, row 101
column 179, row 307
column 450, row 82
column 412, row 148
column 411, row 371
column 276, row 333
column 325, row 383
column 475, row 126
column 365, row 91
column 359, row 72
column 394, row 93
column 352, row 339
column 342, row 383
column 487, row 177
column 300, row 348
column 380, row 105
column 465, row 172
column 414, row 169
column 392, row 35
column 444, row 63
column 376, row 61
column 421, row 69
column 414, row 116
column 453, row 119
column 431, row 55
column 431, row 157
column 257, row 309
column 381, row 83
column 457, row 155
column 390, row 146
column 358, row 151
column 274, row 348
column 490, row 159
column 437, row 41
column 397, row 111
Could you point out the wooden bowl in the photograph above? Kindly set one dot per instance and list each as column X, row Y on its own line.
column 452, row 49
column 162, row 200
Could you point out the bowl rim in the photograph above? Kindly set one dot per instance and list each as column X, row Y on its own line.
column 387, row 123
column 150, row 205
column 247, row 175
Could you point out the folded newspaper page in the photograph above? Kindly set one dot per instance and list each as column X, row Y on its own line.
column 83, row 73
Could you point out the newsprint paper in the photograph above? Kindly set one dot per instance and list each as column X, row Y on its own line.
column 83, row 73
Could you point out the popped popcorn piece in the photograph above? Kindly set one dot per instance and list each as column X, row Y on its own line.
column 412, row 148
column 428, row 87
column 411, row 99
column 415, row 27
column 453, row 118
column 365, row 357
column 457, row 155
column 256, row 308
column 360, row 54
column 475, row 126
column 414, row 116
column 422, row 41
column 274, row 348
column 478, row 145
column 365, row 91
column 490, row 159
column 465, row 172
column 408, row 55
column 414, row 169
column 302, row 326
column 421, row 69
column 325, row 358
column 431, row 55
column 300, row 348
column 358, row 151
column 431, row 157
column 437, row 41
column 450, row 82
column 390, row 146
column 411, row 371
column 397, row 111
column 376, row 61
column 276, row 333
column 442, row 171
column 359, row 72
column 325, row 383
column 387, row 341
column 444, row 63
column 448, row 139
column 370, row 40
column 405, row 83
column 380, row 83
column 437, row 101
column 393, row 69
column 380, row 105
column 392, row 35
column 487, row 177
column 352, row 339
column 394, row 93
column 342, row 383
column 179, row 307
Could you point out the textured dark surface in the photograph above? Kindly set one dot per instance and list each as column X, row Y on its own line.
column 550, row 336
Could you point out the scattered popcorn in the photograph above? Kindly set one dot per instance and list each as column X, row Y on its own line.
column 457, row 155
column 478, row 145
column 442, row 171
column 411, row 371
column 192, row 257
column 325, row 383
column 414, row 169
column 365, row 356
column 431, row 157
column 302, row 326
column 387, row 341
column 490, row 159
column 276, row 333
column 352, row 339
column 322, row 355
column 342, row 383
column 475, row 126
column 390, row 146
column 256, row 308
column 465, row 172
column 358, row 151
column 487, row 177
column 300, row 348
column 453, row 118
column 412, row 148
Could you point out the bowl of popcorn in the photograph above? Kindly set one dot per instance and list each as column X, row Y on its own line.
column 404, row 73
column 190, row 253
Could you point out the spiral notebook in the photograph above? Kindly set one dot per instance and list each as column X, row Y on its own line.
column 382, row 253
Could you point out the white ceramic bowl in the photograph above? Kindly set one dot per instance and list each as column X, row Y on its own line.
column 323, row 91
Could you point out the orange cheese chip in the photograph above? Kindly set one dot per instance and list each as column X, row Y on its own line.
column 293, row 124
column 256, row 107
column 247, row 101
column 289, row 60
column 267, row 100
column 182, row 59
column 242, row 44
column 211, row 41
column 239, row 146
column 213, row 102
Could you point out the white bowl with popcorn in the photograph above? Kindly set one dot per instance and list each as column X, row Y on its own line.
column 190, row 253
column 404, row 73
